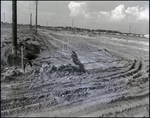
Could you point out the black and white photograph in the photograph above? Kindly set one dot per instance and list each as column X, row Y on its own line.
column 74, row 58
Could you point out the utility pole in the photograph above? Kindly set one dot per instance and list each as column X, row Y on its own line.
column 129, row 28
column 4, row 17
column 14, row 27
column 22, row 46
column 72, row 23
column 47, row 23
column 36, row 17
column 30, row 20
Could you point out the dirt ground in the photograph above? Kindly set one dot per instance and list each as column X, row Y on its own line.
column 116, row 82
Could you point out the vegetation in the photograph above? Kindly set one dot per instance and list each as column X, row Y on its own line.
column 69, row 28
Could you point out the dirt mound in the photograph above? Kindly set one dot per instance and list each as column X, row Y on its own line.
column 66, row 68
column 7, row 57
column 31, row 51
column 11, row 74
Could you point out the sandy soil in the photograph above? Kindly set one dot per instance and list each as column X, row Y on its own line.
column 116, row 82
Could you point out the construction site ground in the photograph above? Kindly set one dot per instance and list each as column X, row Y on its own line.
column 116, row 82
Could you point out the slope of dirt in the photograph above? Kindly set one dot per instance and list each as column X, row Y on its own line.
column 116, row 82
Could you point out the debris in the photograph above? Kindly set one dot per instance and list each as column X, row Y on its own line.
column 12, row 73
column 77, row 61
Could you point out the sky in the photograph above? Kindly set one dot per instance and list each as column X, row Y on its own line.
column 108, row 15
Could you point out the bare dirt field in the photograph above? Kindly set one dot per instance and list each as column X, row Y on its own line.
column 116, row 82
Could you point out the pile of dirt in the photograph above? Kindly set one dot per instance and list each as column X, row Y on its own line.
column 7, row 57
column 11, row 74
column 66, row 68
column 31, row 51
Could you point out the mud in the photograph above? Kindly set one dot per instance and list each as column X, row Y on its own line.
column 115, row 84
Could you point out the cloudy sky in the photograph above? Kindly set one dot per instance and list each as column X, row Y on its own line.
column 109, row 15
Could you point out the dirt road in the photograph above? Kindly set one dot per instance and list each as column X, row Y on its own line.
column 116, row 82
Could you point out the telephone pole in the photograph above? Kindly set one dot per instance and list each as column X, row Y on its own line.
column 129, row 28
column 72, row 23
column 47, row 23
column 36, row 17
column 14, row 27
column 4, row 17
column 30, row 20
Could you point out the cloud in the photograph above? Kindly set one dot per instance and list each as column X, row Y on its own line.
column 104, row 15
column 120, row 13
column 78, row 8
column 91, row 15
column 88, row 16
column 139, row 13
column 135, row 13
column 117, row 14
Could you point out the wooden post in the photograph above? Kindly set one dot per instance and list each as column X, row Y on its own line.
column 72, row 23
column 129, row 28
column 36, row 18
column 14, row 27
column 22, row 57
column 72, row 26
column 4, row 17
column 30, row 20
column 63, row 45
